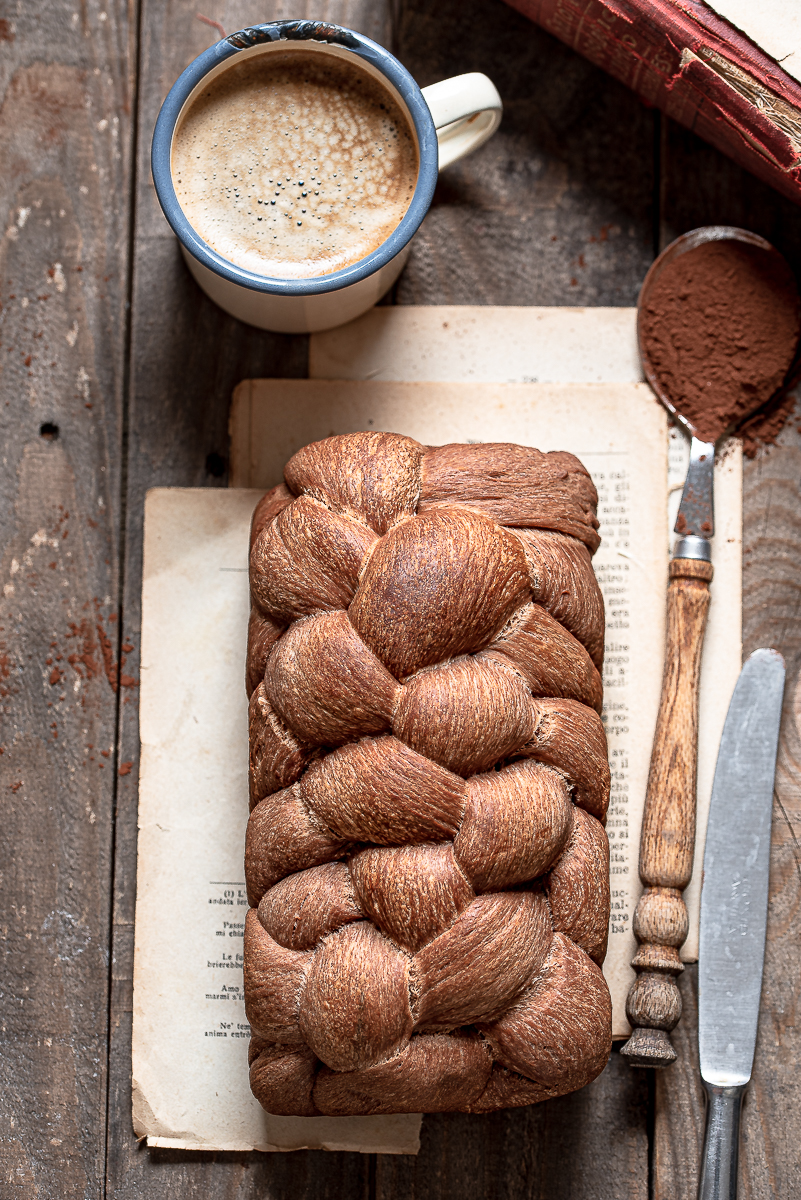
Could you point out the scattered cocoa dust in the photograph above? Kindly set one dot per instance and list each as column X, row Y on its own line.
column 95, row 655
column 763, row 428
column 86, row 656
column 721, row 325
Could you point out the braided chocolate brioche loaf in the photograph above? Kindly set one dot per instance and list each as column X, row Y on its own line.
column 425, row 858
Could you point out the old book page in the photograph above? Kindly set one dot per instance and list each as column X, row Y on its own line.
column 190, row 1033
column 774, row 25
column 190, row 1036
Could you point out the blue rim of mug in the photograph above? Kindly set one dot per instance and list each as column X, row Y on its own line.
column 363, row 47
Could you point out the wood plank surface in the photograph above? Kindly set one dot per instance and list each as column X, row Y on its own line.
column 557, row 208
column 182, row 374
column 566, row 205
column 772, row 588
column 700, row 186
column 770, row 1164
column 769, row 1161
column 186, row 358
column 64, row 152
column 591, row 1143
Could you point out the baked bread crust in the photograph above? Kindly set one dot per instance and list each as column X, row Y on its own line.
column 426, row 862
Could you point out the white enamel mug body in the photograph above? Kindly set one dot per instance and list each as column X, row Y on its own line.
column 449, row 119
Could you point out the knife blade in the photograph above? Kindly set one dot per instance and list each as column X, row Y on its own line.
column 696, row 515
column 734, row 910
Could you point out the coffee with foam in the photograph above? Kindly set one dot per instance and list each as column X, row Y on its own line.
column 294, row 164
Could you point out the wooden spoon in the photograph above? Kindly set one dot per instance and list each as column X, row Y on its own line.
column 667, row 841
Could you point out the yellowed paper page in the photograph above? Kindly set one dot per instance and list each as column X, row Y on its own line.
column 190, row 1035
column 481, row 344
column 774, row 25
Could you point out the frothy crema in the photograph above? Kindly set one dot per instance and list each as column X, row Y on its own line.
column 294, row 164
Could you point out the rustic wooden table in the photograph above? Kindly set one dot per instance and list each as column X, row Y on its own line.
column 117, row 374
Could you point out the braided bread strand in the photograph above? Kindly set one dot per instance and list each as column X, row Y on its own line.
column 425, row 859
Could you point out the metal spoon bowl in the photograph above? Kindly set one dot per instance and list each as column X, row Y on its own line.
column 688, row 241
column 695, row 521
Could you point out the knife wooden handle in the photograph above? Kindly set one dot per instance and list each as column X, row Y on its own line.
column 667, row 840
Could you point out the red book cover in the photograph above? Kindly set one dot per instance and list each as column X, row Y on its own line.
column 697, row 68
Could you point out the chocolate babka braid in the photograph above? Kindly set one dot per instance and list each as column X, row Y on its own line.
column 426, row 860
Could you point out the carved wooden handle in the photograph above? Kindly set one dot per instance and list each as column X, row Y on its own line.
column 667, row 841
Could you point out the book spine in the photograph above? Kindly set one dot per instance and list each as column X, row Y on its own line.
column 701, row 72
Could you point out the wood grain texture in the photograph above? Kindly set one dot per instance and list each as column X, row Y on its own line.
column 668, row 829
column 770, row 1164
column 723, row 193
column 667, row 839
column 587, row 1144
column 64, row 150
column 679, row 1126
column 700, row 186
column 557, row 207
column 186, row 358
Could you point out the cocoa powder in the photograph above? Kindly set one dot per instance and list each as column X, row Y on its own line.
column 721, row 325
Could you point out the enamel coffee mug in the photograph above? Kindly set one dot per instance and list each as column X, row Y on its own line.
column 448, row 120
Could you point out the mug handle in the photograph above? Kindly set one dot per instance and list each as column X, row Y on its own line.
column 466, row 110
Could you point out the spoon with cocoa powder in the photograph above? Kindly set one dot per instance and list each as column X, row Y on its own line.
column 718, row 323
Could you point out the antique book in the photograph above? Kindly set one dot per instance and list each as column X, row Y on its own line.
column 712, row 69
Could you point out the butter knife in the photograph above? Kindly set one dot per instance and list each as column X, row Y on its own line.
column 734, row 911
